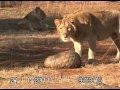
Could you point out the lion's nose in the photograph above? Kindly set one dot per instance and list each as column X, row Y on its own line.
column 65, row 36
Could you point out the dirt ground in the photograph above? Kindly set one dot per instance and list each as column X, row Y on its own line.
column 22, row 56
column 25, row 49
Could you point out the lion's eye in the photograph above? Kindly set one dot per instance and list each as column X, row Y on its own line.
column 69, row 29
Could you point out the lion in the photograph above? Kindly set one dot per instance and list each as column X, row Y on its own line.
column 91, row 27
column 32, row 20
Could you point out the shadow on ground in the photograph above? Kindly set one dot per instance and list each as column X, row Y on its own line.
column 7, row 25
column 16, row 53
column 29, row 52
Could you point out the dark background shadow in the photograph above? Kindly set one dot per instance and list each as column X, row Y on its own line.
column 8, row 25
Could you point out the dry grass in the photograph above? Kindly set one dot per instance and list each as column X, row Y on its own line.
column 57, row 9
column 22, row 53
column 65, row 78
column 25, row 56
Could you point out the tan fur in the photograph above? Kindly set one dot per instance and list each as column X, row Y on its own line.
column 32, row 20
column 91, row 26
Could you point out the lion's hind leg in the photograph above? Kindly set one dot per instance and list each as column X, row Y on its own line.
column 116, row 39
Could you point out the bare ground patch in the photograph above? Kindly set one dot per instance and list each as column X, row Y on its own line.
column 22, row 56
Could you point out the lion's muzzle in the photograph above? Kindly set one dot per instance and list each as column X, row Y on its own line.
column 65, row 38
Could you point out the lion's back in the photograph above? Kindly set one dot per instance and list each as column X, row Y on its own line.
column 101, row 23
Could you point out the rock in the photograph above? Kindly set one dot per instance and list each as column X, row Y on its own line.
column 67, row 59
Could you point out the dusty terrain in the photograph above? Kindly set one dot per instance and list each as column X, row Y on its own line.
column 22, row 54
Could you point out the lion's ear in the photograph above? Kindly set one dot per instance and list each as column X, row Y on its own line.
column 57, row 22
column 37, row 9
column 64, row 16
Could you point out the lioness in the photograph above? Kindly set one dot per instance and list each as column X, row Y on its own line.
column 32, row 20
column 90, row 26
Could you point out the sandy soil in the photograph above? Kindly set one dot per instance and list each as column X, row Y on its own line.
column 22, row 56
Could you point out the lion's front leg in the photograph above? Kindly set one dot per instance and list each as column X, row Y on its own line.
column 78, row 47
column 92, row 50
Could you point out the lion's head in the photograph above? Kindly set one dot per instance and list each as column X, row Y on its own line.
column 65, row 28
column 36, row 14
column 33, row 20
